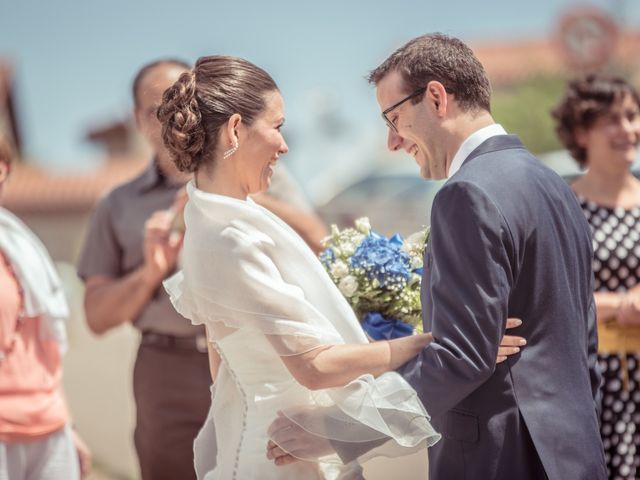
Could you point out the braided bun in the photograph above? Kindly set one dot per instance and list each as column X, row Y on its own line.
column 182, row 130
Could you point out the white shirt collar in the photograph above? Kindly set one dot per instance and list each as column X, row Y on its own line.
column 472, row 142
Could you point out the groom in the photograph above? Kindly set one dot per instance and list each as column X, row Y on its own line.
column 508, row 239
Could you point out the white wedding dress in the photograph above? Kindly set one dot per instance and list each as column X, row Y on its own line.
column 263, row 294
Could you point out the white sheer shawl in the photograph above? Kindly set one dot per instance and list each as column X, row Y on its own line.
column 244, row 268
column 41, row 285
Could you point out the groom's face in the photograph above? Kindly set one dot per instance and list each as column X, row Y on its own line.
column 415, row 126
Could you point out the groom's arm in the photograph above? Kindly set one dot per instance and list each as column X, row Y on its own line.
column 470, row 279
column 470, row 282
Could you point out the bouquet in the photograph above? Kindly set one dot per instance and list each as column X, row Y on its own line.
column 380, row 277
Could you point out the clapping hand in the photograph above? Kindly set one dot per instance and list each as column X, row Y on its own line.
column 163, row 239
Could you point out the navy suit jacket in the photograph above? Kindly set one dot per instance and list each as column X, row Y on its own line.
column 508, row 239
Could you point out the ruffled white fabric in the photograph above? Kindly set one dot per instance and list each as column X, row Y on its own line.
column 41, row 285
column 247, row 273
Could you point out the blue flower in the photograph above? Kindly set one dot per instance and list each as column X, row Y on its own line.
column 396, row 240
column 382, row 286
column 327, row 257
column 381, row 328
column 382, row 259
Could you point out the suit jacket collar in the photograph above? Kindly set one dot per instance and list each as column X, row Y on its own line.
column 494, row 144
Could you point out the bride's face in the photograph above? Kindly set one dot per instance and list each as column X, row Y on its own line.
column 263, row 144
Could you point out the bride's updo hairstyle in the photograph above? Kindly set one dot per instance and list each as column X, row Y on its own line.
column 202, row 100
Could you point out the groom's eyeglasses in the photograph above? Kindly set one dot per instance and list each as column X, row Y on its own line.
column 389, row 123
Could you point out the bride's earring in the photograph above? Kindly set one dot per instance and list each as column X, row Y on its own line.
column 230, row 152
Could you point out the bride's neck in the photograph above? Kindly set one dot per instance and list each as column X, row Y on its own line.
column 221, row 180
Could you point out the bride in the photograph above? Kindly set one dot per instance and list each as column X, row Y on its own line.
column 281, row 336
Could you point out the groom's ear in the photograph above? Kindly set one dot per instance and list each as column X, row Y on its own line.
column 436, row 96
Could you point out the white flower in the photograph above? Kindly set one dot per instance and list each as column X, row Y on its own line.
column 339, row 269
column 416, row 261
column 348, row 249
column 348, row 286
column 414, row 242
column 363, row 225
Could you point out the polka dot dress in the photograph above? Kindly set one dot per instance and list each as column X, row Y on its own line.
column 616, row 267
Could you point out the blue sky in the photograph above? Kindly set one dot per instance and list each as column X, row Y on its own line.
column 75, row 59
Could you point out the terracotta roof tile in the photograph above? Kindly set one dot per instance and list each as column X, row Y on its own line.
column 509, row 62
column 34, row 190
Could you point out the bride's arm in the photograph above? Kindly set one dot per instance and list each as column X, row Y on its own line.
column 337, row 365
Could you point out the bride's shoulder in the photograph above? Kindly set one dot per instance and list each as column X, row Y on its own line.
column 243, row 231
column 224, row 240
column 238, row 240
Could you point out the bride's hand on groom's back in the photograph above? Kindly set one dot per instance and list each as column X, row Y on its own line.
column 510, row 344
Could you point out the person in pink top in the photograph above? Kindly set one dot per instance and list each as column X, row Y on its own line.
column 36, row 440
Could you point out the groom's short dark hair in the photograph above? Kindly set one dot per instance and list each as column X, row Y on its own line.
column 445, row 59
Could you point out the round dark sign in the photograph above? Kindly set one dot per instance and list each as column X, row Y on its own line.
column 587, row 37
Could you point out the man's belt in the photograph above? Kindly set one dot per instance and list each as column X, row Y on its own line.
column 197, row 343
